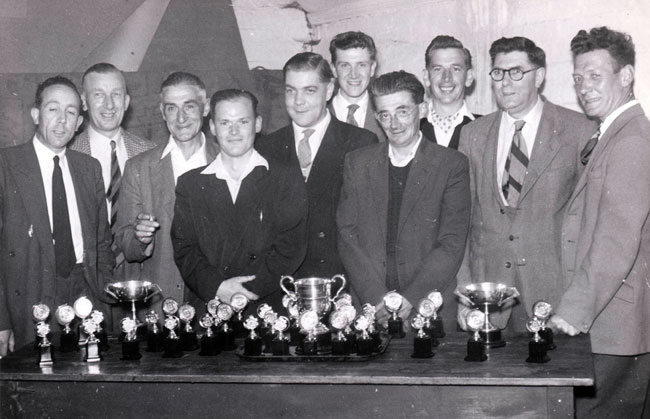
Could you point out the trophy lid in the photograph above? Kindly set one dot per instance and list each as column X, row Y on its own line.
column 212, row 305
column 270, row 317
column 418, row 322
column 42, row 329
column 186, row 312
column 224, row 312
column 97, row 316
column 238, row 301
column 436, row 298
column 475, row 320
column 251, row 322
column 40, row 312
column 169, row 306
column 542, row 310
column 83, row 307
column 281, row 324
column 64, row 314
column 309, row 319
column 393, row 301
column 369, row 310
column 206, row 320
column 339, row 320
column 89, row 326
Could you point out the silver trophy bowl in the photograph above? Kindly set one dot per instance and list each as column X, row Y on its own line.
column 132, row 291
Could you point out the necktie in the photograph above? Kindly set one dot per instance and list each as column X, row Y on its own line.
column 113, row 192
column 63, row 248
column 516, row 166
column 589, row 147
column 350, row 119
column 304, row 152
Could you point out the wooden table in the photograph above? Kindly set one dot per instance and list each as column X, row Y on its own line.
column 393, row 385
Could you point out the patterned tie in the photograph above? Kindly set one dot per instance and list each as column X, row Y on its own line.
column 63, row 247
column 304, row 152
column 516, row 166
column 113, row 192
column 351, row 110
column 589, row 147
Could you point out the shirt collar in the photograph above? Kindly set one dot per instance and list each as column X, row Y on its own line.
column 531, row 118
column 612, row 116
column 218, row 168
column 44, row 153
column 93, row 133
column 172, row 146
column 400, row 161
column 459, row 115
column 319, row 128
column 342, row 102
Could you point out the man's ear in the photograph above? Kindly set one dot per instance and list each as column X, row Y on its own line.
column 162, row 111
column 258, row 124
column 84, row 104
column 213, row 128
column 35, row 113
column 540, row 74
column 469, row 80
column 330, row 90
column 80, row 120
column 626, row 75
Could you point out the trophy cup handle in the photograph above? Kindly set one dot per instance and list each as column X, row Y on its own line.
column 108, row 291
column 343, row 284
column 513, row 294
column 463, row 297
column 156, row 290
column 290, row 278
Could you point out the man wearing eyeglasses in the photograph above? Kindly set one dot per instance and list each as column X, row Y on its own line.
column 405, row 204
column 524, row 165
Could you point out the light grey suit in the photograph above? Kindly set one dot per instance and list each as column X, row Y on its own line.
column 521, row 247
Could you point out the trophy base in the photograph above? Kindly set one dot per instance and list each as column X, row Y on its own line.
column 280, row 347
column 341, row 347
column 310, row 347
column 422, row 347
column 351, row 339
column 396, row 328
column 103, row 340
column 131, row 351
column 92, row 352
column 155, row 342
column 537, row 352
column 238, row 328
column 227, row 340
column 69, row 342
column 296, row 336
column 209, row 346
column 475, row 351
column 189, row 341
column 376, row 340
column 492, row 338
column 253, row 347
column 172, row 349
column 547, row 335
column 364, row 346
column 45, row 356
column 268, row 342
column 436, row 329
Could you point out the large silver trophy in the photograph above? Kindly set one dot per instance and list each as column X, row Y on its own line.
column 488, row 295
column 132, row 291
column 313, row 294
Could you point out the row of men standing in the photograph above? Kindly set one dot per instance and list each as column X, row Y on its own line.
column 404, row 209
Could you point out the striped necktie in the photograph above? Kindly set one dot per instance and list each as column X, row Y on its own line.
column 516, row 166
column 589, row 148
column 350, row 119
column 113, row 192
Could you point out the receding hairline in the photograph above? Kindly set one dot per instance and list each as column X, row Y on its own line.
column 101, row 73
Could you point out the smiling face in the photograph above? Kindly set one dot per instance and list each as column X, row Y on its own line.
column 183, row 108
column 105, row 99
column 58, row 117
column 600, row 88
column 517, row 97
column 234, row 124
column 402, row 117
column 353, row 69
column 306, row 96
column 447, row 77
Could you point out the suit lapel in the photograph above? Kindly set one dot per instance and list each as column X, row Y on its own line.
column 321, row 171
column 164, row 186
column 414, row 185
column 378, row 178
column 84, row 192
column 491, row 150
column 455, row 137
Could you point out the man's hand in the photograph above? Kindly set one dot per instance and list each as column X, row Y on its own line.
column 6, row 341
column 233, row 285
column 562, row 325
column 145, row 228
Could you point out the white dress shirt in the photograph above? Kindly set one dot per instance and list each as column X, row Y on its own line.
column 45, row 158
column 612, row 116
column 444, row 138
column 100, row 148
column 316, row 138
column 399, row 161
column 218, row 169
column 179, row 164
column 340, row 105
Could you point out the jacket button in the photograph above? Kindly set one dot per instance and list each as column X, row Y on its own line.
column 502, row 211
column 511, row 237
column 321, row 261
column 321, row 235
column 252, row 256
column 17, row 293
column 12, row 254
column 178, row 286
column 508, row 264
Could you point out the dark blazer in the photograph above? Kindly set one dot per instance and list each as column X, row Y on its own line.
column 606, row 241
column 370, row 123
column 134, row 145
column 430, row 133
column 432, row 229
column 27, row 265
column 323, row 188
column 263, row 234
column 521, row 247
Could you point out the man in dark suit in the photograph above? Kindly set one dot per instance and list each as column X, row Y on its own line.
column 240, row 223
column 606, row 232
column 523, row 166
column 405, row 205
column 314, row 145
column 354, row 62
column 146, row 205
column 53, row 224
column 447, row 75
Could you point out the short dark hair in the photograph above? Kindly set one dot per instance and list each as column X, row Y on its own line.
column 232, row 94
column 535, row 54
column 100, row 68
column 306, row 61
column 443, row 42
column 618, row 44
column 52, row 81
column 180, row 77
column 397, row 81
column 352, row 39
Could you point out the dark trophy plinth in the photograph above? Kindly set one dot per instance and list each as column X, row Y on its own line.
column 188, row 341
column 547, row 335
column 537, row 347
column 295, row 335
column 268, row 341
column 475, row 350
column 227, row 338
column 155, row 341
column 209, row 346
column 310, row 346
column 364, row 346
column 341, row 346
column 435, row 328
column 172, row 348
column 131, row 350
column 422, row 346
column 69, row 342
column 280, row 347
column 492, row 338
column 253, row 346
column 396, row 327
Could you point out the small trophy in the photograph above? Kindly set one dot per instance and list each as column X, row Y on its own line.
column 369, row 311
column 427, row 309
column 280, row 344
column 434, row 326
column 130, row 344
column 393, row 302
column 40, row 313
column 350, row 335
column 154, row 334
column 339, row 321
column 308, row 322
column 270, row 318
column 364, row 342
column 82, row 308
column 89, row 327
column 224, row 314
column 543, row 311
column 294, row 314
column 64, row 316
column 252, row 343
column 422, row 343
column 98, row 318
column 537, row 350
column 475, row 347
column 344, row 299
column 209, row 344
column 238, row 302
column 262, row 309
column 172, row 344
column 188, row 339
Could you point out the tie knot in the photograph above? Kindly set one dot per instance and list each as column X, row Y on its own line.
column 353, row 108
column 56, row 160
column 596, row 134
column 307, row 133
column 519, row 125
column 113, row 145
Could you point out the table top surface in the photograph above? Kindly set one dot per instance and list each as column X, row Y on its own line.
column 570, row 365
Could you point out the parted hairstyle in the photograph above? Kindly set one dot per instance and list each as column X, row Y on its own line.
column 232, row 94
column 181, row 78
column 100, row 68
column 443, row 42
column 52, row 81
column 309, row 61
column 535, row 54
column 397, row 81
column 618, row 44
column 352, row 39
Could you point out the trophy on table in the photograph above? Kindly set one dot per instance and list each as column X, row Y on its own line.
column 252, row 343
column 133, row 292
column 294, row 314
column 350, row 335
column 171, row 324
column 542, row 311
column 364, row 341
column 475, row 348
column 188, row 339
column 280, row 344
column 64, row 316
column 82, row 309
column 130, row 343
column 40, row 313
column 369, row 311
column 209, row 344
column 339, row 321
column 537, row 349
column 434, row 325
column 270, row 318
column 89, row 326
column 154, row 334
column 426, row 309
column 238, row 302
column 488, row 295
column 224, row 314
column 422, row 343
column 98, row 318
column 393, row 302
column 309, row 321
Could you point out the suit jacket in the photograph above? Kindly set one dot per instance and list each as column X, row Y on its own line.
column 27, row 265
column 606, row 241
column 148, row 187
column 370, row 123
column 432, row 227
column 134, row 145
column 430, row 133
column 323, row 188
column 521, row 247
column 263, row 234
